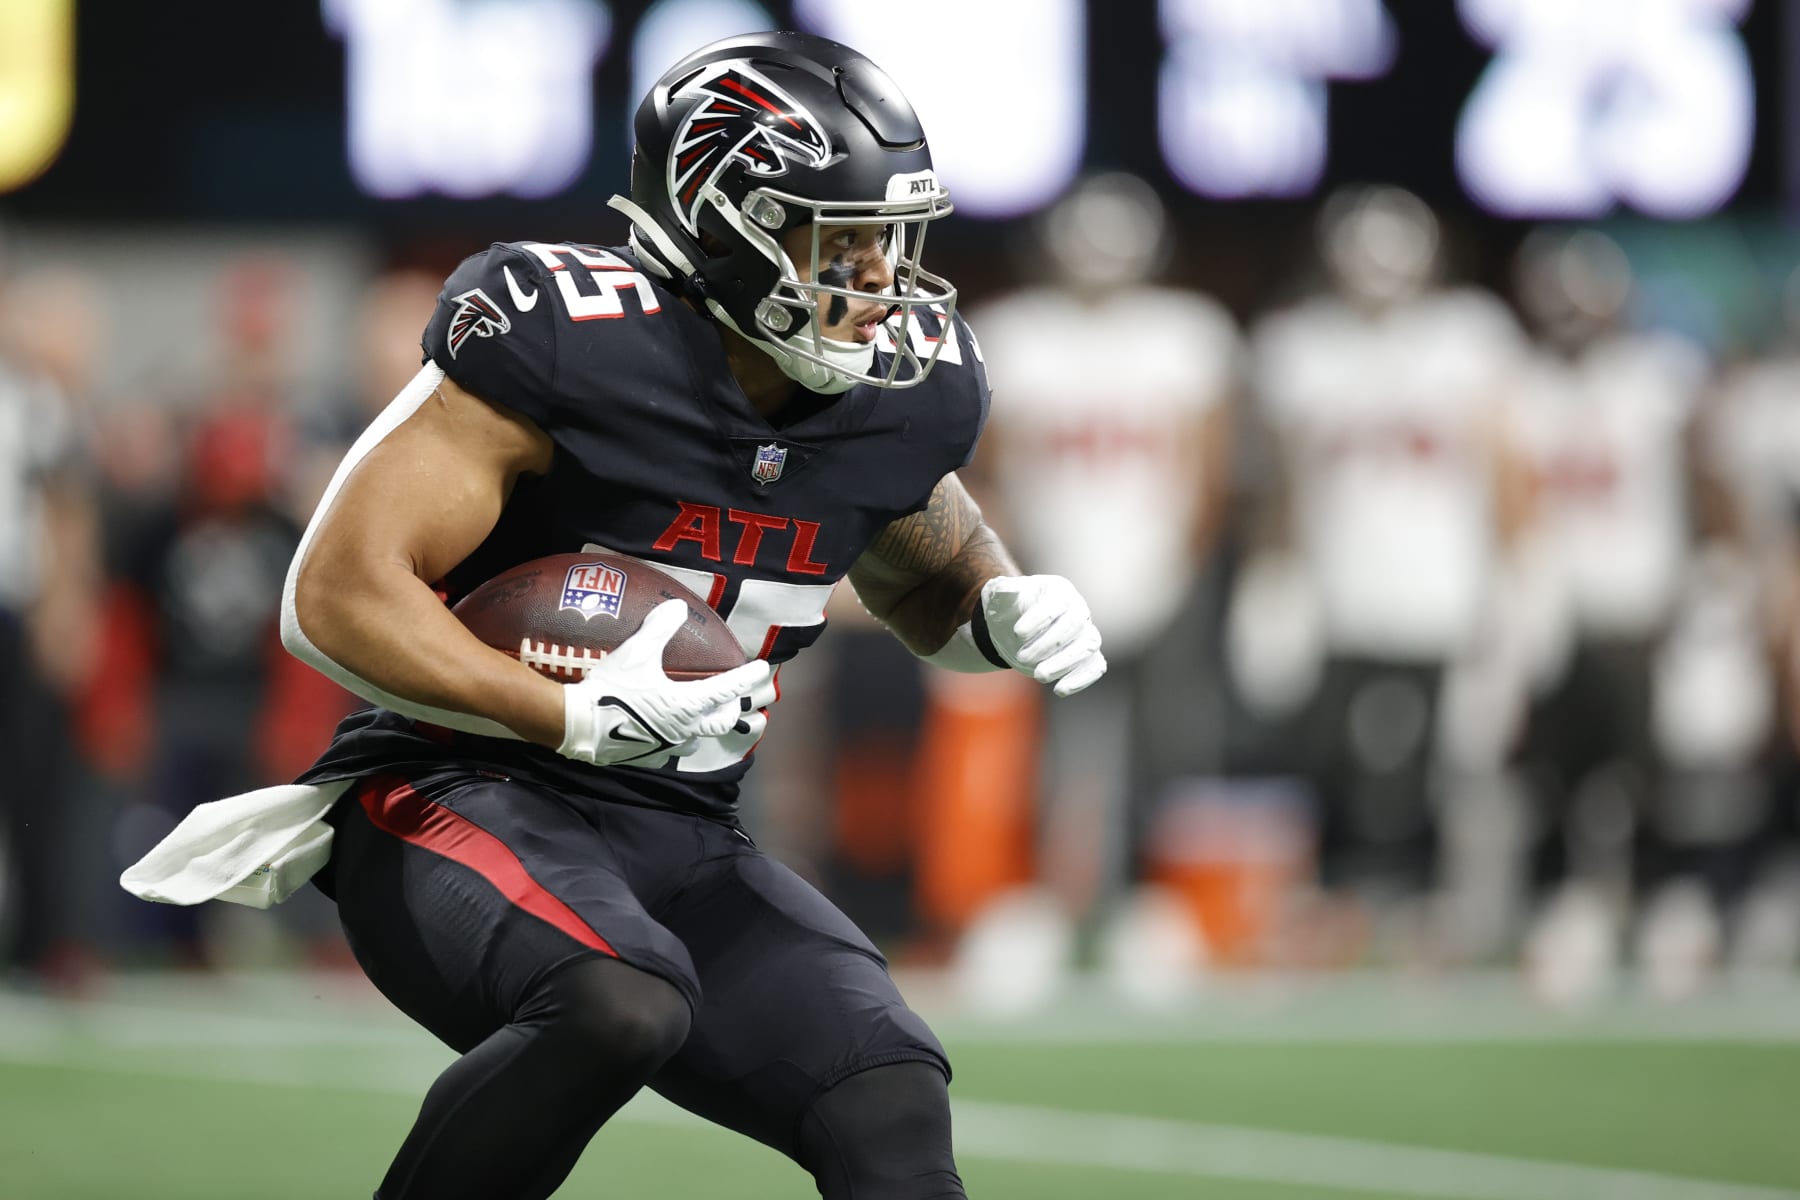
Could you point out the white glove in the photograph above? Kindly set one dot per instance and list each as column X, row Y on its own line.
column 1040, row 625
column 627, row 709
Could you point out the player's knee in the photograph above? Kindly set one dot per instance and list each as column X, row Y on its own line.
column 883, row 1134
column 602, row 1010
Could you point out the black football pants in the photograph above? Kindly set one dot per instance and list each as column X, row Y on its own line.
column 786, row 1027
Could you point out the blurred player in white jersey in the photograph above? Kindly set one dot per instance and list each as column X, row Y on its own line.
column 1109, row 431
column 1649, row 703
column 1754, row 442
column 1384, row 396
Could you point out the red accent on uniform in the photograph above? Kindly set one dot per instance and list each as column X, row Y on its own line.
column 435, row 733
column 750, row 541
column 769, row 644
column 394, row 808
column 694, row 523
column 800, row 557
column 717, row 593
column 741, row 90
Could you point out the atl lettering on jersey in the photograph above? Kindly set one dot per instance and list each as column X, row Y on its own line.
column 704, row 525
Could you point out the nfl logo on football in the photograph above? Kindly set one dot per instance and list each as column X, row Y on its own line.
column 593, row 588
column 769, row 461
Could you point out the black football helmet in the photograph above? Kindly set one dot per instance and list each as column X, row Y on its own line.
column 752, row 137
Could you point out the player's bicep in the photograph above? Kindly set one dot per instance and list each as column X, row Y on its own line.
column 917, row 548
column 426, row 494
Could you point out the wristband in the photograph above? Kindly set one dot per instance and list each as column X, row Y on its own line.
column 961, row 653
column 984, row 641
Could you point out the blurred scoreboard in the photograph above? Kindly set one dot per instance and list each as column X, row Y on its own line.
column 402, row 111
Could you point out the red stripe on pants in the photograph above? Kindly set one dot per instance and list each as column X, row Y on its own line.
column 394, row 807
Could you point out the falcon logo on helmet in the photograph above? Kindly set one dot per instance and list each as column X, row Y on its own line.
column 748, row 145
column 475, row 316
column 743, row 117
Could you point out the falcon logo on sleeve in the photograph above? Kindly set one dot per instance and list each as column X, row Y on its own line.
column 475, row 316
column 738, row 117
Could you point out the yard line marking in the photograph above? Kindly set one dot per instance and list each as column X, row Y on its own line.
column 1372, row 1009
column 984, row 1129
column 1469, row 1008
column 32, row 1018
column 1023, row 1133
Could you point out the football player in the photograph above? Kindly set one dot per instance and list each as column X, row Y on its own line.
column 763, row 393
column 1084, row 443
column 1651, row 705
column 1385, row 395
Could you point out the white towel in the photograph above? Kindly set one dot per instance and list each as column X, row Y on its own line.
column 255, row 849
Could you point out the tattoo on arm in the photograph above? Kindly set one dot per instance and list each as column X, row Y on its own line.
column 926, row 541
column 923, row 575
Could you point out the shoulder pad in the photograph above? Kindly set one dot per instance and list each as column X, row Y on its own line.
column 493, row 334
column 976, row 370
column 512, row 317
column 957, row 387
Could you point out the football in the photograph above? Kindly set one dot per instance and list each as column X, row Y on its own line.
column 559, row 615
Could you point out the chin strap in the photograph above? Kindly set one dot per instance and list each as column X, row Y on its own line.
column 806, row 372
column 815, row 376
column 642, row 223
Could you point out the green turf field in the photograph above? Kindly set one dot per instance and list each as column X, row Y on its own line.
column 280, row 1088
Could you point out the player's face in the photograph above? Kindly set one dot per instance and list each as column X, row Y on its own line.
column 853, row 257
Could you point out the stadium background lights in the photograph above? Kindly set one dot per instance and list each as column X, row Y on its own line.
column 1563, row 110
column 37, row 86
column 1581, row 107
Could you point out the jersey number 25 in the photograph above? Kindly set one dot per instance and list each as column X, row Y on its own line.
column 611, row 274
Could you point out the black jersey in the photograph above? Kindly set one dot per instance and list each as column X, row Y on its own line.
column 660, row 455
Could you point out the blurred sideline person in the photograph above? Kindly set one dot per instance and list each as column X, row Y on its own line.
column 61, row 335
column 1384, row 394
column 765, row 392
column 49, row 550
column 1107, row 457
column 1652, row 705
column 393, row 307
column 207, row 571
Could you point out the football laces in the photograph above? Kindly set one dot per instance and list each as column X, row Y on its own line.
column 558, row 661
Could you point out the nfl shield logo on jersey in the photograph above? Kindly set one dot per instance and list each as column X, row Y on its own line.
column 769, row 461
column 593, row 588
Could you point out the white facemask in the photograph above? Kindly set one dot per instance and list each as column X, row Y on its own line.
column 844, row 360
column 832, row 367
